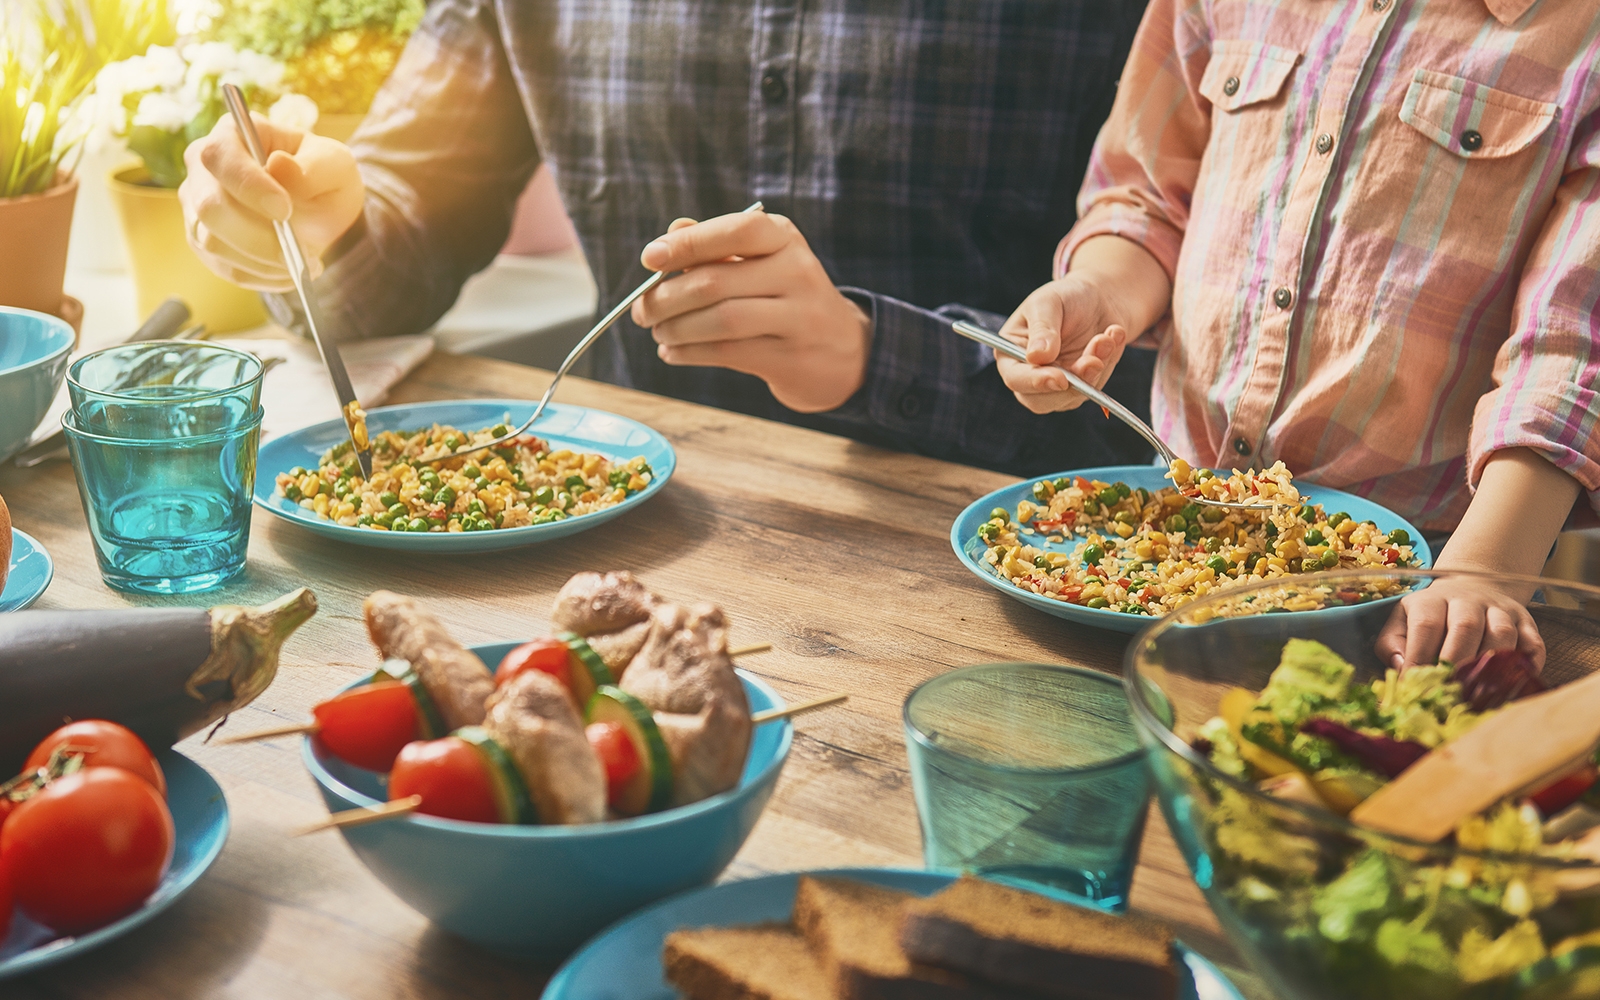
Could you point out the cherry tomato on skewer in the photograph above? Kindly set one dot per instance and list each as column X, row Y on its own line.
column 87, row 849
column 103, row 744
column 618, row 756
column 369, row 725
column 451, row 777
column 548, row 655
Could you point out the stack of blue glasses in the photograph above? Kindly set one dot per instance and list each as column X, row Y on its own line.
column 163, row 438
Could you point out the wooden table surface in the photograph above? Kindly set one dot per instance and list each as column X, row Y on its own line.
column 835, row 552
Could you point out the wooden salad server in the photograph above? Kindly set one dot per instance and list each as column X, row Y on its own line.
column 1518, row 748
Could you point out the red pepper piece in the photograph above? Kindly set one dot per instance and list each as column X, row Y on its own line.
column 1565, row 790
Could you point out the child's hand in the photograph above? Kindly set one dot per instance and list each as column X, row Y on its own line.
column 1065, row 324
column 1458, row 619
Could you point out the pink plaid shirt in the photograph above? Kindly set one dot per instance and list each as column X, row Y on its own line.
column 1382, row 223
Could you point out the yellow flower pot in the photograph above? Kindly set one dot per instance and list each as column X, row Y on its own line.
column 163, row 265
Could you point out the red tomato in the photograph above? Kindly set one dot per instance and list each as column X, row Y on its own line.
column 452, row 778
column 104, row 744
column 5, row 903
column 87, row 849
column 618, row 755
column 369, row 725
column 1565, row 790
column 549, row 655
column 6, row 805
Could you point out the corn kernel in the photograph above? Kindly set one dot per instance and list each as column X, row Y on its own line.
column 1123, row 530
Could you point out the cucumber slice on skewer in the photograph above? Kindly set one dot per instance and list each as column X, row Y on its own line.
column 589, row 671
column 650, row 789
column 510, row 791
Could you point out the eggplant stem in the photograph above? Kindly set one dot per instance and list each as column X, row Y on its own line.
column 245, row 643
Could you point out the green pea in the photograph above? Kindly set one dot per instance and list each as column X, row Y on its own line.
column 1000, row 514
column 1177, row 522
column 341, row 489
column 500, row 430
column 1330, row 559
column 389, row 498
column 292, row 492
column 576, row 484
column 397, row 524
column 299, row 472
column 1217, row 564
column 1295, row 565
column 1091, row 506
column 1190, row 511
column 1211, row 515
column 445, row 495
column 1192, row 533
column 398, row 510
column 471, row 471
column 474, row 506
column 1093, row 554
column 1123, row 489
column 988, row 531
column 619, row 477
column 426, row 495
column 364, row 520
column 1399, row 536
column 1338, row 519
column 1108, row 496
column 563, row 500
column 1308, row 513
column 1127, row 517
column 435, row 522
column 452, row 442
column 1063, row 483
column 1314, row 537
column 1097, row 602
column 1144, row 496
column 482, row 482
column 1201, row 475
column 417, row 524
column 544, row 495
column 1043, row 490
column 1041, row 562
column 1213, row 544
column 1272, row 530
column 428, row 476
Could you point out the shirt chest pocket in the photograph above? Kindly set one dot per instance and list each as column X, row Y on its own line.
column 1471, row 120
column 1244, row 73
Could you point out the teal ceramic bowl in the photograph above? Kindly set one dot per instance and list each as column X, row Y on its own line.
column 33, row 361
column 538, row 892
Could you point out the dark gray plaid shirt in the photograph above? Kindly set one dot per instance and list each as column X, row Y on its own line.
column 930, row 151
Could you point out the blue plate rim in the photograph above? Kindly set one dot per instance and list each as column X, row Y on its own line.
column 501, row 538
column 607, row 828
column 559, row 985
column 1102, row 617
column 49, row 569
column 60, row 949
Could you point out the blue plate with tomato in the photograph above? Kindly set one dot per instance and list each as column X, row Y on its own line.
column 564, row 426
column 629, row 953
column 970, row 548
column 200, row 826
column 30, row 572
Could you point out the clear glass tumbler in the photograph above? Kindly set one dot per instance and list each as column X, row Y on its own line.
column 169, row 515
column 1032, row 774
column 164, row 389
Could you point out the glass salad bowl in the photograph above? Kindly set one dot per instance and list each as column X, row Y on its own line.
column 1275, row 738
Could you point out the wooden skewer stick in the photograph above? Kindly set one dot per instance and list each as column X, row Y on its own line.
column 361, row 817
column 292, row 729
column 760, row 647
column 805, row 706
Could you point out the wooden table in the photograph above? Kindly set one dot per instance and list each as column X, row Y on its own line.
column 835, row 552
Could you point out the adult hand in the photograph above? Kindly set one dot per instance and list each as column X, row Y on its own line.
column 1078, row 323
column 230, row 202
column 1459, row 618
column 755, row 299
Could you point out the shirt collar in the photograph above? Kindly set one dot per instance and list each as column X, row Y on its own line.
column 1507, row 11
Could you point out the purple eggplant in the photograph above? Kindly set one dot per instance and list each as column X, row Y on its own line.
column 162, row 672
column 1380, row 754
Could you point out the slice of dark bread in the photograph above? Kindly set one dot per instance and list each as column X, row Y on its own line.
column 758, row 962
column 853, row 929
column 1048, row 948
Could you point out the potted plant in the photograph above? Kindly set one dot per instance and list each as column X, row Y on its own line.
column 337, row 52
column 158, row 103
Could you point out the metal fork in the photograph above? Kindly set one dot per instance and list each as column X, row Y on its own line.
column 989, row 338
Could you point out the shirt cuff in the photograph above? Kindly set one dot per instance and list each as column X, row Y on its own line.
column 1119, row 218
column 917, row 368
column 1543, row 423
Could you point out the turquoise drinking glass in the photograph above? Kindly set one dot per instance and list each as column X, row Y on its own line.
column 169, row 515
column 164, row 389
column 1032, row 774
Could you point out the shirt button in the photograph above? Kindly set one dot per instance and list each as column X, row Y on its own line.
column 772, row 86
column 910, row 404
column 1282, row 297
column 1230, row 86
column 1472, row 140
column 1324, row 142
column 1241, row 446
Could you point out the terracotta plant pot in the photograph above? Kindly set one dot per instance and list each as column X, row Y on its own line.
column 163, row 265
column 33, row 253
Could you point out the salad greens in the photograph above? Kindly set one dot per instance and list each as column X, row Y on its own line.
column 1374, row 919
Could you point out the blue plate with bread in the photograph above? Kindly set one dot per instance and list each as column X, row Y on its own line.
column 882, row 931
